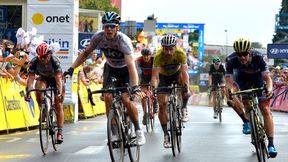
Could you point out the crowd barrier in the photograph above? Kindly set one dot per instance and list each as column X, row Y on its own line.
column 86, row 108
column 280, row 100
column 15, row 112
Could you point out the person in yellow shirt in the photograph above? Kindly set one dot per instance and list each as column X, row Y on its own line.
column 170, row 64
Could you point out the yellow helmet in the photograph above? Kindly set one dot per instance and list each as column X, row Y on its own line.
column 242, row 45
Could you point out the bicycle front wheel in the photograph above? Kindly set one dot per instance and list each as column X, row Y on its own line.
column 178, row 129
column 147, row 114
column 254, row 125
column 172, row 129
column 132, row 147
column 44, row 128
column 219, row 107
column 53, row 128
column 115, row 138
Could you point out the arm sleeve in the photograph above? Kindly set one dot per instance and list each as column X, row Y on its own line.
column 229, row 67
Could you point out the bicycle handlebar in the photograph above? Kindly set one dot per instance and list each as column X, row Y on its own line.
column 41, row 90
column 248, row 91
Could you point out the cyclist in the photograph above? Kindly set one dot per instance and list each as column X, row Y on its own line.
column 170, row 64
column 144, row 63
column 49, row 73
column 118, row 50
column 216, row 77
column 248, row 69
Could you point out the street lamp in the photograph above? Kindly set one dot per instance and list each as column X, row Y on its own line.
column 226, row 33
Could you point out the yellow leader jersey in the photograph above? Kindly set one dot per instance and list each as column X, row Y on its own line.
column 169, row 66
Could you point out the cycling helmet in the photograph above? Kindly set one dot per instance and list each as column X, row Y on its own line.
column 111, row 17
column 145, row 51
column 242, row 45
column 168, row 40
column 42, row 49
column 216, row 60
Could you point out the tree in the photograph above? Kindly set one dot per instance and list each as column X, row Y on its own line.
column 103, row 5
column 281, row 33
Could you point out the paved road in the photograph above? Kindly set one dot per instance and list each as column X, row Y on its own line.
column 204, row 140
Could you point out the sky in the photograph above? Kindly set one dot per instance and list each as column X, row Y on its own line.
column 252, row 19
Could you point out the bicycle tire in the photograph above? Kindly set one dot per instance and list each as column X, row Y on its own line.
column 116, row 142
column 179, row 129
column 147, row 116
column 255, row 136
column 173, row 139
column 219, row 107
column 53, row 128
column 44, row 128
column 132, row 147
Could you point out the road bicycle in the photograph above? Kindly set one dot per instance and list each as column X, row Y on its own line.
column 258, row 134
column 175, row 123
column 47, row 120
column 219, row 101
column 150, row 108
column 120, row 131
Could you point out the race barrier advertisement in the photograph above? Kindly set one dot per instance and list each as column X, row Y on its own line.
column 280, row 100
column 16, row 112
column 88, row 109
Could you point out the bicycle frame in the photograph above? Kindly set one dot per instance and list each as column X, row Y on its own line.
column 174, row 112
column 118, row 115
column 46, row 119
column 258, row 134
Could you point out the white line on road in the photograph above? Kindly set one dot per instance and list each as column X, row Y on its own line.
column 90, row 150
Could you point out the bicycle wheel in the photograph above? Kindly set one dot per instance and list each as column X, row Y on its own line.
column 115, row 138
column 255, row 136
column 173, row 138
column 147, row 116
column 179, row 129
column 44, row 128
column 219, row 107
column 53, row 128
column 132, row 147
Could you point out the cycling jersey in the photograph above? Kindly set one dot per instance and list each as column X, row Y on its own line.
column 169, row 66
column 146, row 67
column 217, row 74
column 114, row 50
column 45, row 70
column 249, row 75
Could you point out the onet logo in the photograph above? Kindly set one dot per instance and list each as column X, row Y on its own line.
column 38, row 19
column 274, row 51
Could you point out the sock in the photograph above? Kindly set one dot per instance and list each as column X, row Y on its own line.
column 270, row 141
column 60, row 130
column 185, row 101
column 165, row 130
column 137, row 126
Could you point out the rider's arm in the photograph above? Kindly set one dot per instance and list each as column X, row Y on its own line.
column 155, row 77
column 268, row 80
column 132, row 70
column 184, row 74
column 82, row 56
column 59, row 82
column 30, row 80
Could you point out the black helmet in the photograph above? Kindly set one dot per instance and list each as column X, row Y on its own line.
column 145, row 51
column 111, row 17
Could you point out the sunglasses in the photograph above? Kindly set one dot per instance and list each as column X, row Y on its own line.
column 242, row 54
column 110, row 25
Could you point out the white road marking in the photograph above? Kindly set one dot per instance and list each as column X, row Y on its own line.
column 90, row 150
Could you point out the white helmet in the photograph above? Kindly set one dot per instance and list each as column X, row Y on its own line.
column 168, row 40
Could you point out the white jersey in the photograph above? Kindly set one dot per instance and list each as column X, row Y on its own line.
column 114, row 50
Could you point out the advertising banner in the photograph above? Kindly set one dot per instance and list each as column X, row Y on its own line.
column 54, row 2
column 277, row 50
column 58, row 21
